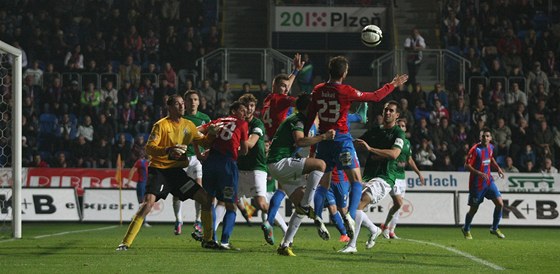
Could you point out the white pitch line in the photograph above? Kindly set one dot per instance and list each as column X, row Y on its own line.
column 464, row 254
column 72, row 232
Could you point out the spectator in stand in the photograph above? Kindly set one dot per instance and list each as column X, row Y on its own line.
column 126, row 118
column 421, row 111
column 527, row 155
column 82, row 153
column 26, row 152
column 537, row 77
column 438, row 93
column 123, row 147
column 421, row 132
column 205, row 108
column 496, row 69
column 90, row 100
column 138, row 149
column 511, row 61
column 497, row 99
column 509, row 43
column 406, row 113
column 438, row 112
column 529, row 59
column 461, row 114
column 86, row 129
column 98, row 47
column 103, row 154
column 415, row 96
column 501, row 138
column 38, row 161
column 150, row 50
column 132, row 43
column 550, row 64
column 460, row 156
column 226, row 93
column 443, row 134
column 46, row 99
column 520, row 112
column 103, row 128
column 29, row 130
column 129, row 71
column 127, row 94
column 480, row 113
column 35, row 72
column 110, row 111
column 414, row 44
column 543, row 138
column 74, row 60
column 170, row 75
column 60, row 160
column 207, row 91
column 530, row 166
column 187, row 62
column 109, row 91
column 509, row 167
column 72, row 97
column 476, row 66
column 460, row 136
column 425, row 156
column 548, row 167
column 457, row 92
column 66, row 132
column 146, row 92
column 34, row 92
column 91, row 67
column 222, row 109
column 143, row 116
column 515, row 96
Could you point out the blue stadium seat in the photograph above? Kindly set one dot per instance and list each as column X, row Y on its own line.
column 129, row 138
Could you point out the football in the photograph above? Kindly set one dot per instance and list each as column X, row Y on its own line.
column 371, row 35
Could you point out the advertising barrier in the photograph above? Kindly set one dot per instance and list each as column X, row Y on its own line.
column 42, row 204
column 528, row 209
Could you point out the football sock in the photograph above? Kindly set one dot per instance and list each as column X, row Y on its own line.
column 320, row 195
column 281, row 223
column 359, row 219
column 274, row 205
column 312, row 181
column 220, row 212
column 497, row 217
column 177, row 209
column 207, row 230
column 229, row 223
column 355, row 197
column 264, row 216
column 468, row 221
column 393, row 222
column 367, row 223
column 295, row 222
column 197, row 211
column 133, row 229
column 319, row 210
column 337, row 219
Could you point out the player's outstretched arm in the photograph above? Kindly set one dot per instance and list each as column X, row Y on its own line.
column 302, row 141
column 298, row 65
column 415, row 168
column 391, row 153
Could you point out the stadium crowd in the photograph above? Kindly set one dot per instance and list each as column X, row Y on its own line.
column 139, row 52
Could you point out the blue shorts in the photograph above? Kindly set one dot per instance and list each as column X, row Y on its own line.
column 220, row 177
column 339, row 152
column 476, row 197
column 338, row 194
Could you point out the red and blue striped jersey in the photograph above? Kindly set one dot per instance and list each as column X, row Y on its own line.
column 480, row 158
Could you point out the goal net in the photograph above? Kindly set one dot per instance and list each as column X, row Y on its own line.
column 10, row 141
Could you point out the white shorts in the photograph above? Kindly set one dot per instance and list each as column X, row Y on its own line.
column 251, row 183
column 376, row 189
column 399, row 188
column 194, row 170
column 288, row 172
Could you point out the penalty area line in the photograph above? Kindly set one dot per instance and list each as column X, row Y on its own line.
column 459, row 252
column 72, row 232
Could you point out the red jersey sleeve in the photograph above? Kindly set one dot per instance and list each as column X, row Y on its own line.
column 471, row 156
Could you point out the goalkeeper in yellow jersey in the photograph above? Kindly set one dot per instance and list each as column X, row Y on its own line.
column 166, row 148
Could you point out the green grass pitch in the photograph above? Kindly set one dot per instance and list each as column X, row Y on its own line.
column 90, row 248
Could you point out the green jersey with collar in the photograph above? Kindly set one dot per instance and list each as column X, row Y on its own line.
column 198, row 119
column 256, row 157
column 283, row 144
column 383, row 138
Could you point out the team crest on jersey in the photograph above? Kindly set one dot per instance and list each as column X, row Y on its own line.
column 186, row 131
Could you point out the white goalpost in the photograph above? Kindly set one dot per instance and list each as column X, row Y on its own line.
column 14, row 182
